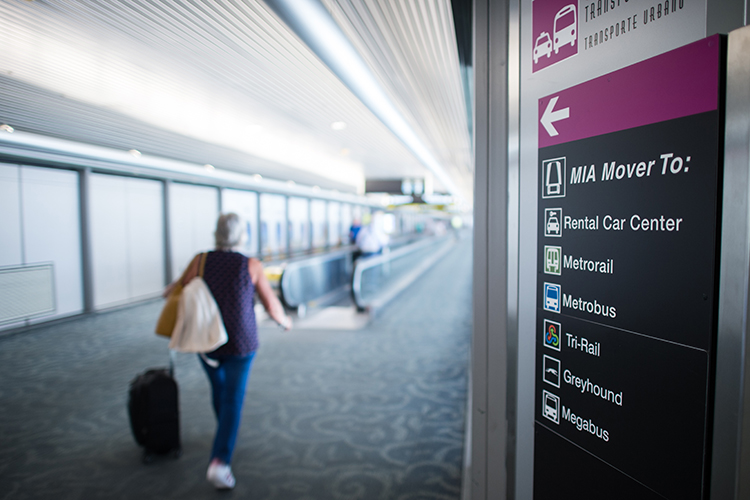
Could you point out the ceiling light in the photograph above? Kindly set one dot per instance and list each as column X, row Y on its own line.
column 209, row 167
column 344, row 152
column 7, row 128
column 291, row 182
column 135, row 153
column 258, row 177
column 338, row 126
column 316, row 188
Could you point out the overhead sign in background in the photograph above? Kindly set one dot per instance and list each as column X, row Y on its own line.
column 627, row 261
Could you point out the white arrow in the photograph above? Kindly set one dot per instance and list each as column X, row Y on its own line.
column 549, row 117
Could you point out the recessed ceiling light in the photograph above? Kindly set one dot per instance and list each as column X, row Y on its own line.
column 316, row 188
column 135, row 153
column 258, row 177
column 209, row 167
column 338, row 125
column 344, row 152
column 291, row 182
column 7, row 128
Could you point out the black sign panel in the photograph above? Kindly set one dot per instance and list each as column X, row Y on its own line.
column 627, row 282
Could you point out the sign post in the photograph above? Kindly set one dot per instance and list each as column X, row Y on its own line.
column 629, row 175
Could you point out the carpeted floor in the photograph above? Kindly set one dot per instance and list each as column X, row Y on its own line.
column 375, row 413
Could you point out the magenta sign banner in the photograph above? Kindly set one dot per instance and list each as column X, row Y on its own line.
column 662, row 88
column 555, row 31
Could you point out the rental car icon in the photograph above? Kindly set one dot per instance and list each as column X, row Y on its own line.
column 565, row 27
column 553, row 225
column 542, row 47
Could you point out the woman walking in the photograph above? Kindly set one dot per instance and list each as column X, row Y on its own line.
column 233, row 280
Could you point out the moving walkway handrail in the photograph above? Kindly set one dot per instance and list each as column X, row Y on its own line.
column 368, row 263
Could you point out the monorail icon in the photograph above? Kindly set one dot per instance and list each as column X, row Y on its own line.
column 553, row 178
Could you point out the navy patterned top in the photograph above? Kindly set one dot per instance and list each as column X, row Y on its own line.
column 227, row 276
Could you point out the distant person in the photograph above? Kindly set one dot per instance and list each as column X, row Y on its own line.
column 353, row 232
column 371, row 239
column 233, row 280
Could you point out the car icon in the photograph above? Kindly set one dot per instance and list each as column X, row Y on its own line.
column 553, row 225
column 543, row 46
column 564, row 27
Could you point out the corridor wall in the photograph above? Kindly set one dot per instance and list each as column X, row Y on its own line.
column 28, row 225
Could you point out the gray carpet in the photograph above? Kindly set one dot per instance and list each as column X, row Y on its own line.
column 376, row 413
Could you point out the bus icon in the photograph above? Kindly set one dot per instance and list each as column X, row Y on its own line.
column 551, row 407
column 552, row 296
column 565, row 27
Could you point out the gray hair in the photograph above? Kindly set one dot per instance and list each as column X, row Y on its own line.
column 230, row 231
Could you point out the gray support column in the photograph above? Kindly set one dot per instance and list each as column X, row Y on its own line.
column 494, row 350
column 288, row 227
column 327, row 227
column 309, row 226
column 730, row 468
column 221, row 200
column 166, row 191
column 478, row 415
column 87, row 267
column 723, row 16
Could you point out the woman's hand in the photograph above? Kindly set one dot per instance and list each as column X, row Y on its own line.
column 286, row 323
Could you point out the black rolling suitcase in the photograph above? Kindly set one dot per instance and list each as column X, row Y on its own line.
column 154, row 413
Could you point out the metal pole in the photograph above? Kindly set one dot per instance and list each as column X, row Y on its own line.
column 166, row 190
column 87, row 266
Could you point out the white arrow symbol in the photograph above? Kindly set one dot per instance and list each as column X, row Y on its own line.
column 549, row 117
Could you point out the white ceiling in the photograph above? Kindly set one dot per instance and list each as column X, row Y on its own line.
column 226, row 82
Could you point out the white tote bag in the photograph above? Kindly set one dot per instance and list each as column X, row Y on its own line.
column 199, row 326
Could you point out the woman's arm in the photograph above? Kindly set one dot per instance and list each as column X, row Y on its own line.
column 267, row 297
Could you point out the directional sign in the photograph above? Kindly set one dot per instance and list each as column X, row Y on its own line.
column 550, row 116
column 627, row 238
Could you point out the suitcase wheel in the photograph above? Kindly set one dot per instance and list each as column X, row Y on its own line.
column 148, row 457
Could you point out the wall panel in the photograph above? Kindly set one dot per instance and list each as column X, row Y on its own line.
column 193, row 211
column 51, row 230
column 273, row 224
column 299, row 221
column 318, row 223
column 10, row 222
column 126, row 238
column 334, row 223
column 244, row 204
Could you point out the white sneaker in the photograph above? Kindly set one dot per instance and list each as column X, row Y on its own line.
column 220, row 475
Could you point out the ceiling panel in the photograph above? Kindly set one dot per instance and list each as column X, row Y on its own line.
column 225, row 82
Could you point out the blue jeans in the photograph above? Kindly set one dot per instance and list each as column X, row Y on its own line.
column 228, row 384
